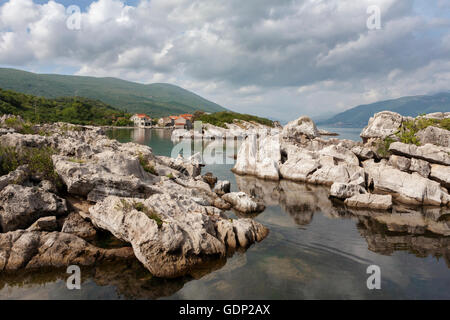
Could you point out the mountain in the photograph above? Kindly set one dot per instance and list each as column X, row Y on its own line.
column 157, row 99
column 358, row 117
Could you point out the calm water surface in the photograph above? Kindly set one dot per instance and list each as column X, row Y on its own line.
column 315, row 250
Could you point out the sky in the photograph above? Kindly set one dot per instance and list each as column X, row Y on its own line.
column 278, row 58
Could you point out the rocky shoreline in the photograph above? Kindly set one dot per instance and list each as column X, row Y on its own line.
column 171, row 217
column 377, row 173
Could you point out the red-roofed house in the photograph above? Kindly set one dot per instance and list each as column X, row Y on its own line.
column 141, row 120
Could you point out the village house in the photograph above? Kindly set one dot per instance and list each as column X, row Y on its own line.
column 141, row 120
column 165, row 122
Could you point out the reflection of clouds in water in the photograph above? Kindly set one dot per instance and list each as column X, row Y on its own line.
column 341, row 240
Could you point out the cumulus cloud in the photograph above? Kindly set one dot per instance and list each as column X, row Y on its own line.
column 275, row 58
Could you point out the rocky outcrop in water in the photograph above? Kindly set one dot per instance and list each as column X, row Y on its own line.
column 364, row 171
column 162, row 207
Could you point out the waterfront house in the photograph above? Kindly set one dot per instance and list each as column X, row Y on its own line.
column 141, row 120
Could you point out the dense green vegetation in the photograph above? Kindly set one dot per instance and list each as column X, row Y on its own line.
column 219, row 119
column 74, row 110
column 39, row 161
column 359, row 116
column 157, row 100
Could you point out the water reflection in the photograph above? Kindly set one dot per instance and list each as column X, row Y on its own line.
column 421, row 231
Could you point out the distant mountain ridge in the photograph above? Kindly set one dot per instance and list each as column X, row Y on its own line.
column 358, row 117
column 157, row 99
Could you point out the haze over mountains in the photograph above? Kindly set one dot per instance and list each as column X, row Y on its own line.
column 157, row 99
column 358, row 117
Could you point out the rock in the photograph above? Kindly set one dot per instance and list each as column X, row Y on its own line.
column 190, row 167
column 441, row 174
column 33, row 249
column 298, row 169
column 400, row 163
column 302, row 127
column 243, row 202
column 330, row 173
column 421, row 167
column 21, row 206
column 437, row 115
column 221, row 204
column 17, row 176
column 259, row 157
column 76, row 225
column 105, row 174
column 368, row 200
column 340, row 154
column 363, row 153
column 20, row 141
column 210, row 179
column 222, row 187
column 345, row 190
column 405, row 187
column 171, row 234
column 434, row 135
column 427, row 152
column 45, row 224
column 382, row 125
column 48, row 186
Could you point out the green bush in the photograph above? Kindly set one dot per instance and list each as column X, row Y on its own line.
column 39, row 161
column 408, row 129
column 220, row 119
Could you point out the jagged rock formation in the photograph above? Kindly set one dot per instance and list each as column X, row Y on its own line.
column 411, row 174
column 162, row 207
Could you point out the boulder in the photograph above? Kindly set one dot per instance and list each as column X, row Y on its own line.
column 421, row 167
column 23, row 249
column 363, row 153
column 103, row 175
column 21, row 206
column 400, row 163
column 76, row 225
column 243, row 202
column 170, row 233
column 340, row 154
column 17, row 176
column 382, row 125
column 434, row 135
column 222, row 187
column 259, row 156
column 330, row 173
column 210, row 179
column 345, row 190
column 427, row 152
column 371, row 201
column 45, row 224
column 405, row 187
column 302, row 127
column 441, row 174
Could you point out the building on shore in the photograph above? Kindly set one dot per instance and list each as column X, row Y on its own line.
column 141, row 120
column 165, row 122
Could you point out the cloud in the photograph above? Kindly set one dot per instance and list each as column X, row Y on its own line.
column 274, row 58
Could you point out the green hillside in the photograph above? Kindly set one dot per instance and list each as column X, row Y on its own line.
column 74, row 110
column 158, row 99
column 408, row 106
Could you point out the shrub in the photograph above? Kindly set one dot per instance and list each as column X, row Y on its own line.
column 8, row 160
column 145, row 165
column 383, row 147
column 39, row 162
column 139, row 206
